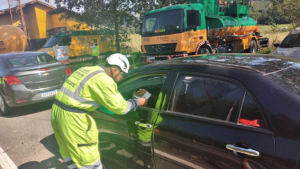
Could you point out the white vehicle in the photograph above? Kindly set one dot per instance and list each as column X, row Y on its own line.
column 290, row 46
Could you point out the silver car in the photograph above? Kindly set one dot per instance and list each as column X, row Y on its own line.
column 290, row 46
column 29, row 77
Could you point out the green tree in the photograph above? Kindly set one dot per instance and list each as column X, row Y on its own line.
column 276, row 13
column 290, row 9
column 103, row 15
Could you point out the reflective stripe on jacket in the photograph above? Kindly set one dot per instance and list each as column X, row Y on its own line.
column 88, row 88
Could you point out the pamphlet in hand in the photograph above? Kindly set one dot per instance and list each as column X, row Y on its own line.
column 146, row 96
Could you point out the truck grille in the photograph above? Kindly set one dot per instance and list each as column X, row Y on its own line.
column 161, row 49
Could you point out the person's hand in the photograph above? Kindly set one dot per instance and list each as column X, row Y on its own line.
column 133, row 96
column 142, row 101
column 141, row 92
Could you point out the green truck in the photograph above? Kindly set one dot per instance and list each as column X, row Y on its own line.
column 199, row 27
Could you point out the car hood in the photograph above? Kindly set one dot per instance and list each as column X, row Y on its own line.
column 292, row 52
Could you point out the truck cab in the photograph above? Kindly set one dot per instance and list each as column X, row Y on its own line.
column 56, row 43
column 199, row 27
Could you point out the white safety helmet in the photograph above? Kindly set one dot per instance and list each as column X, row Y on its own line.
column 120, row 60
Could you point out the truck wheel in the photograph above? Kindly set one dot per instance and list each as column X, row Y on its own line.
column 253, row 47
column 204, row 51
column 4, row 109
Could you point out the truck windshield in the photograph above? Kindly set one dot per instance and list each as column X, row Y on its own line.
column 162, row 23
column 292, row 40
column 53, row 41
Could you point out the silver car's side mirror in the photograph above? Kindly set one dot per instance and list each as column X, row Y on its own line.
column 276, row 45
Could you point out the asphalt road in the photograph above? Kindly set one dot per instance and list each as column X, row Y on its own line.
column 27, row 137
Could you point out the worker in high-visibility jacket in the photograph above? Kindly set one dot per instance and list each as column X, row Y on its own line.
column 95, row 51
column 85, row 90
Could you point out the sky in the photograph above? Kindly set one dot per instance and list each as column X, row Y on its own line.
column 4, row 3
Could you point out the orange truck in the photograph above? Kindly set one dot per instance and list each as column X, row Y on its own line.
column 199, row 27
column 12, row 39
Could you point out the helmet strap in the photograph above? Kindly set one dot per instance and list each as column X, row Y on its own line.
column 111, row 72
column 117, row 75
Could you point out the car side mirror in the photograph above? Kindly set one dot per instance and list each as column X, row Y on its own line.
column 276, row 45
column 193, row 27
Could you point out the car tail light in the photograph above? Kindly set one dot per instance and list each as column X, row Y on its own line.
column 12, row 80
column 19, row 101
column 44, row 69
column 68, row 71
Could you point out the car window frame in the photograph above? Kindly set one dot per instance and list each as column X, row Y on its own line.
column 144, row 73
column 170, row 92
column 2, row 67
column 8, row 65
column 135, row 76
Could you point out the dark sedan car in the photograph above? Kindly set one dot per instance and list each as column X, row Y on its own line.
column 219, row 111
column 29, row 77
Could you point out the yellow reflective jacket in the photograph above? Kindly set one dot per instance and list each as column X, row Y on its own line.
column 88, row 88
column 95, row 50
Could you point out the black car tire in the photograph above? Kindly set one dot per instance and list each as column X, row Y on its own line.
column 4, row 108
column 253, row 47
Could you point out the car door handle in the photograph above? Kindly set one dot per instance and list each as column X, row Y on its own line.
column 248, row 151
column 148, row 126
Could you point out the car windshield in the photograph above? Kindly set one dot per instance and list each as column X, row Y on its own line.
column 292, row 40
column 53, row 41
column 289, row 78
column 162, row 23
column 29, row 60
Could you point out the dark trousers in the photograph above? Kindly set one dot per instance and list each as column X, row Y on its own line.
column 95, row 59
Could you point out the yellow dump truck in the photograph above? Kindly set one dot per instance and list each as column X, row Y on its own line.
column 71, row 47
column 12, row 39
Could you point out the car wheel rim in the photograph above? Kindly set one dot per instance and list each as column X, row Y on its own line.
column 1, row 104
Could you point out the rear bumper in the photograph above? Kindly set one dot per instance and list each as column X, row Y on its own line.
column 21, row 93
column 156, row 58
column 263, row 42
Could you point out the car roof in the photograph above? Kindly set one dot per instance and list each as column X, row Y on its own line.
column 261, row 63
column 296, row 31
column 20, row 54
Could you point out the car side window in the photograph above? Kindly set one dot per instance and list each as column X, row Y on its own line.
column 151, row 83
column 65, row 41
column 250, row 114
column 292, row 40
column 44, row 58
column 206, row 97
